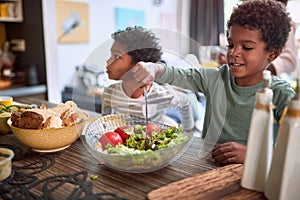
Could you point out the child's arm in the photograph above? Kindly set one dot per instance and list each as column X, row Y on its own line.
column 186, row 111
column 229, row 153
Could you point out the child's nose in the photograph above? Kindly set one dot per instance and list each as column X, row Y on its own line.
column 235, row 52
column 109, row 61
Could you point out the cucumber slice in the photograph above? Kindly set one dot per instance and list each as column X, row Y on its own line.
column 12, row 108
column 2, row 107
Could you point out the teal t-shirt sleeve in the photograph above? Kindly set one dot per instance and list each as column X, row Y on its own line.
column 194, row 79
column 283, row 93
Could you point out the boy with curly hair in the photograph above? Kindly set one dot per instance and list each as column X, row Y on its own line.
column 132, row 45
column 257, row 32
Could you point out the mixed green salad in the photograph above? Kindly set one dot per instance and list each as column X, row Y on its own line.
column 139, row 139
column 140, row 148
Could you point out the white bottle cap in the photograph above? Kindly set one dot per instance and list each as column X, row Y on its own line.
column 266, row 75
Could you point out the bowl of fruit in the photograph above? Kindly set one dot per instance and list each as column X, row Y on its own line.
column 126, row 143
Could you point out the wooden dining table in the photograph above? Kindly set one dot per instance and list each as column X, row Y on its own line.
column 74, row 173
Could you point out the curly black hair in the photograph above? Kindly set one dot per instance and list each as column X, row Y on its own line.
column 283, row 1
column 267, row 16
column 141, row 44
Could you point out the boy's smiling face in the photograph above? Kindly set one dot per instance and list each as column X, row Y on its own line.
column 246, row 55
column 119, row 62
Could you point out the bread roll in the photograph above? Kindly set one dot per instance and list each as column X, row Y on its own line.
column 64, row 114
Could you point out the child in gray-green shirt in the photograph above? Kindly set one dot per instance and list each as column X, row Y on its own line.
column 257, row 32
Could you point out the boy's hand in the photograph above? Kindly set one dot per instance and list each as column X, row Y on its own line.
column 145, row 73
column 141, row 74
column 229, row 153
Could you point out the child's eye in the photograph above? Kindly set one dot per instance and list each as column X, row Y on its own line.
column 230, row 46
column 247, row 48
column 116, row 57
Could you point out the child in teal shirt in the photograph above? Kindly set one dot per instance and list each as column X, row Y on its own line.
column 257, row 32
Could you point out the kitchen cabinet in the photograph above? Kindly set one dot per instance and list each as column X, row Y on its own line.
column 34, row 54
column 11, row 11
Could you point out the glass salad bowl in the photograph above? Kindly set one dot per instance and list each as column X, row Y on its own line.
column 129, row 159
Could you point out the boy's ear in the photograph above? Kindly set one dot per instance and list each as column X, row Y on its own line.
column 273, row 54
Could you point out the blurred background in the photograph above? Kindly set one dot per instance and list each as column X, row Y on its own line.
column 45, row 43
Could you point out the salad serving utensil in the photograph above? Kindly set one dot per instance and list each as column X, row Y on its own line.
column 146, row 109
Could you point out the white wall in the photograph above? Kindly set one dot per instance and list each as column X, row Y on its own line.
column 61, row 59
column 53, row 84
column 293, row 7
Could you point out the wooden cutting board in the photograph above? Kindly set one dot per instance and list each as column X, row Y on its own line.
column 220, row 183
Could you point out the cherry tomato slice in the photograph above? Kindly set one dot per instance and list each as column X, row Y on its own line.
column 121, row 131
column 112, row 138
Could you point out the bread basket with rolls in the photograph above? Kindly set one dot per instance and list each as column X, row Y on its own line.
column 48, row 129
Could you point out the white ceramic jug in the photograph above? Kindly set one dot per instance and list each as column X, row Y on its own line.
column 260, row 140
column 284, row 177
